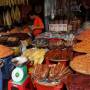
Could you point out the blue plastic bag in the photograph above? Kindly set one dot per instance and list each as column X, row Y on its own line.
column 7, row 68
column 1, row 81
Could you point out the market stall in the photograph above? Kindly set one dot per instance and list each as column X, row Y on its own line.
column 54, row 59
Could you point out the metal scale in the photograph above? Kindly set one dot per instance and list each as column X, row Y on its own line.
column 19, row 74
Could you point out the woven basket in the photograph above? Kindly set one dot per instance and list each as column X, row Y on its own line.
column 78, row 82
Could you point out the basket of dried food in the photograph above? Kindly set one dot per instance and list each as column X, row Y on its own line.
column 81, row 64
column 77, row 82
column 84, row 35
column 83, row 47
column 49, row 76
column 57, row 55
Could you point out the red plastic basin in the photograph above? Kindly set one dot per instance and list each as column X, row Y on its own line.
column 43, row 87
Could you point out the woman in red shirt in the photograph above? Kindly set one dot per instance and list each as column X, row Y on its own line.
column 38, row 25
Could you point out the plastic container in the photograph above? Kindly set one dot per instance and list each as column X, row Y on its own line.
column 43, row 87
column 1, row 82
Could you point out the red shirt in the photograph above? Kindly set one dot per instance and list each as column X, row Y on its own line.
column 38, row 23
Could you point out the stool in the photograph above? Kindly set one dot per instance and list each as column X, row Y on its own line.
column 24, row 86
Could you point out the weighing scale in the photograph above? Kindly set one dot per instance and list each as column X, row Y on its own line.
column 19, row 74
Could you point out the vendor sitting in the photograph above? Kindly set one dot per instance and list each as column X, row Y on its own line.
column 37, row 26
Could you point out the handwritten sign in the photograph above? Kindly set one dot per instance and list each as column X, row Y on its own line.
column 58, row 27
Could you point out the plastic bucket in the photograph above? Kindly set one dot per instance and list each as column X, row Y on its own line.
column 43, row 87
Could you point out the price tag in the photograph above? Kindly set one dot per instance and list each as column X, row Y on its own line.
column 62, row 27
column 57, row 27
column 51, row 27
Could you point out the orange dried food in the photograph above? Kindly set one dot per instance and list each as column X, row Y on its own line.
column 5, row 51
column 83, row 37
column 83, row 46
column 86, row 32
column 53, row 54
column 81, row 64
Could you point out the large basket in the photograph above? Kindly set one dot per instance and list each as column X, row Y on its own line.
column 78, row 82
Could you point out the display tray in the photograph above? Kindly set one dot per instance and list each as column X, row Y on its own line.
column 19, row 61
column 81, row 64
column 55, row 60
